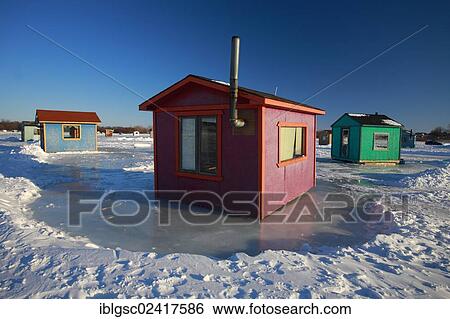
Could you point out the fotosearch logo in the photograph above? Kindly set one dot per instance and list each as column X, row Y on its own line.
column 205, row 208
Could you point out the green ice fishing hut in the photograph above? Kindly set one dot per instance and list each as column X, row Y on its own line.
column 366, row 138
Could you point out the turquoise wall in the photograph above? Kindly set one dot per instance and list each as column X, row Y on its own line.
column 408, row 139
column 354, row 138
column 55, row 143
column 353, row 145
column 335, row 141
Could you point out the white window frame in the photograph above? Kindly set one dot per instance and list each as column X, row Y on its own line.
column 377, row 148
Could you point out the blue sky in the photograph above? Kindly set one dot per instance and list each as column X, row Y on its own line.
column 299, row 46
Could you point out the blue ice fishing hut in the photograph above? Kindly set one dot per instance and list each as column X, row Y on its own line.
column 64, row 131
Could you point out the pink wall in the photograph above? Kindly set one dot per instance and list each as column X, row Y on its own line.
column 295, row 178
column 240, row 153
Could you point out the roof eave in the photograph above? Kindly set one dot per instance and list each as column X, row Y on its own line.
column 382, row 125
column 72, row 122
column 292, row 107
column 151, row 103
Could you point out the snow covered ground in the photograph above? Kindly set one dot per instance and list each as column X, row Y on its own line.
column 41, row 259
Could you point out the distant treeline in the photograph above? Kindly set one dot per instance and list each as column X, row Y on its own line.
column 9, row 125
column 437, row 134
column 15, row 125
column 125, row 130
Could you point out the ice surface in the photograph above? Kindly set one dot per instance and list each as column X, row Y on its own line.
column 112, row 168
column 42, row 258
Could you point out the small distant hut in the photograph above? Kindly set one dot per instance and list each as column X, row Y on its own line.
column 29, row 131
column 63, row 131
column 136, row 133
column 109, row 132
column 366, row 138
column 408, row 139
column 324, row 137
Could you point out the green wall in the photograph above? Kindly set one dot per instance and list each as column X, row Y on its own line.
column 367, row 151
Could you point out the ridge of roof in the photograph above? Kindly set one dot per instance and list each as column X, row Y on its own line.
column 256, row 92
column 371, row 119
column 274, row 99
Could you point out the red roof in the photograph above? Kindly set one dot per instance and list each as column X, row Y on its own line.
column 66, row 116
column 261, row 98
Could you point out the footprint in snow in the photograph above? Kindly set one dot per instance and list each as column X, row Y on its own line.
column 100, row 275
column 393, row 269
column 357, row 279
column 119, row 280
column 262, row 281
column 225, row 280
column 284, row 286
column 305, row 294
column 167, row 286
column 368, row 293
column 326, row 260
column 73, row 274
column 24, row 263
column 116, row 253
column 173, row 257
column 429, row 284
column 253, row 294
column 435, row 265
column 197, row 277
column 232, row 292
column 125, row 263
column 137, row 273
column 228, row 265
column 162, row 291
column 272, row 266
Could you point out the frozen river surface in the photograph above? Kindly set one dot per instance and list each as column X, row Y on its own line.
column 126, row 163
column 42, row 257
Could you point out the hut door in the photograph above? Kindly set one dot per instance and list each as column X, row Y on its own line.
column 344, row 142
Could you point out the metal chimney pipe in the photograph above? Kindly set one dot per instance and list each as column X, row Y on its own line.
column 234, row 71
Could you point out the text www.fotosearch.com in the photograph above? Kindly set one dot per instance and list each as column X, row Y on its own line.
column 199, row 308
